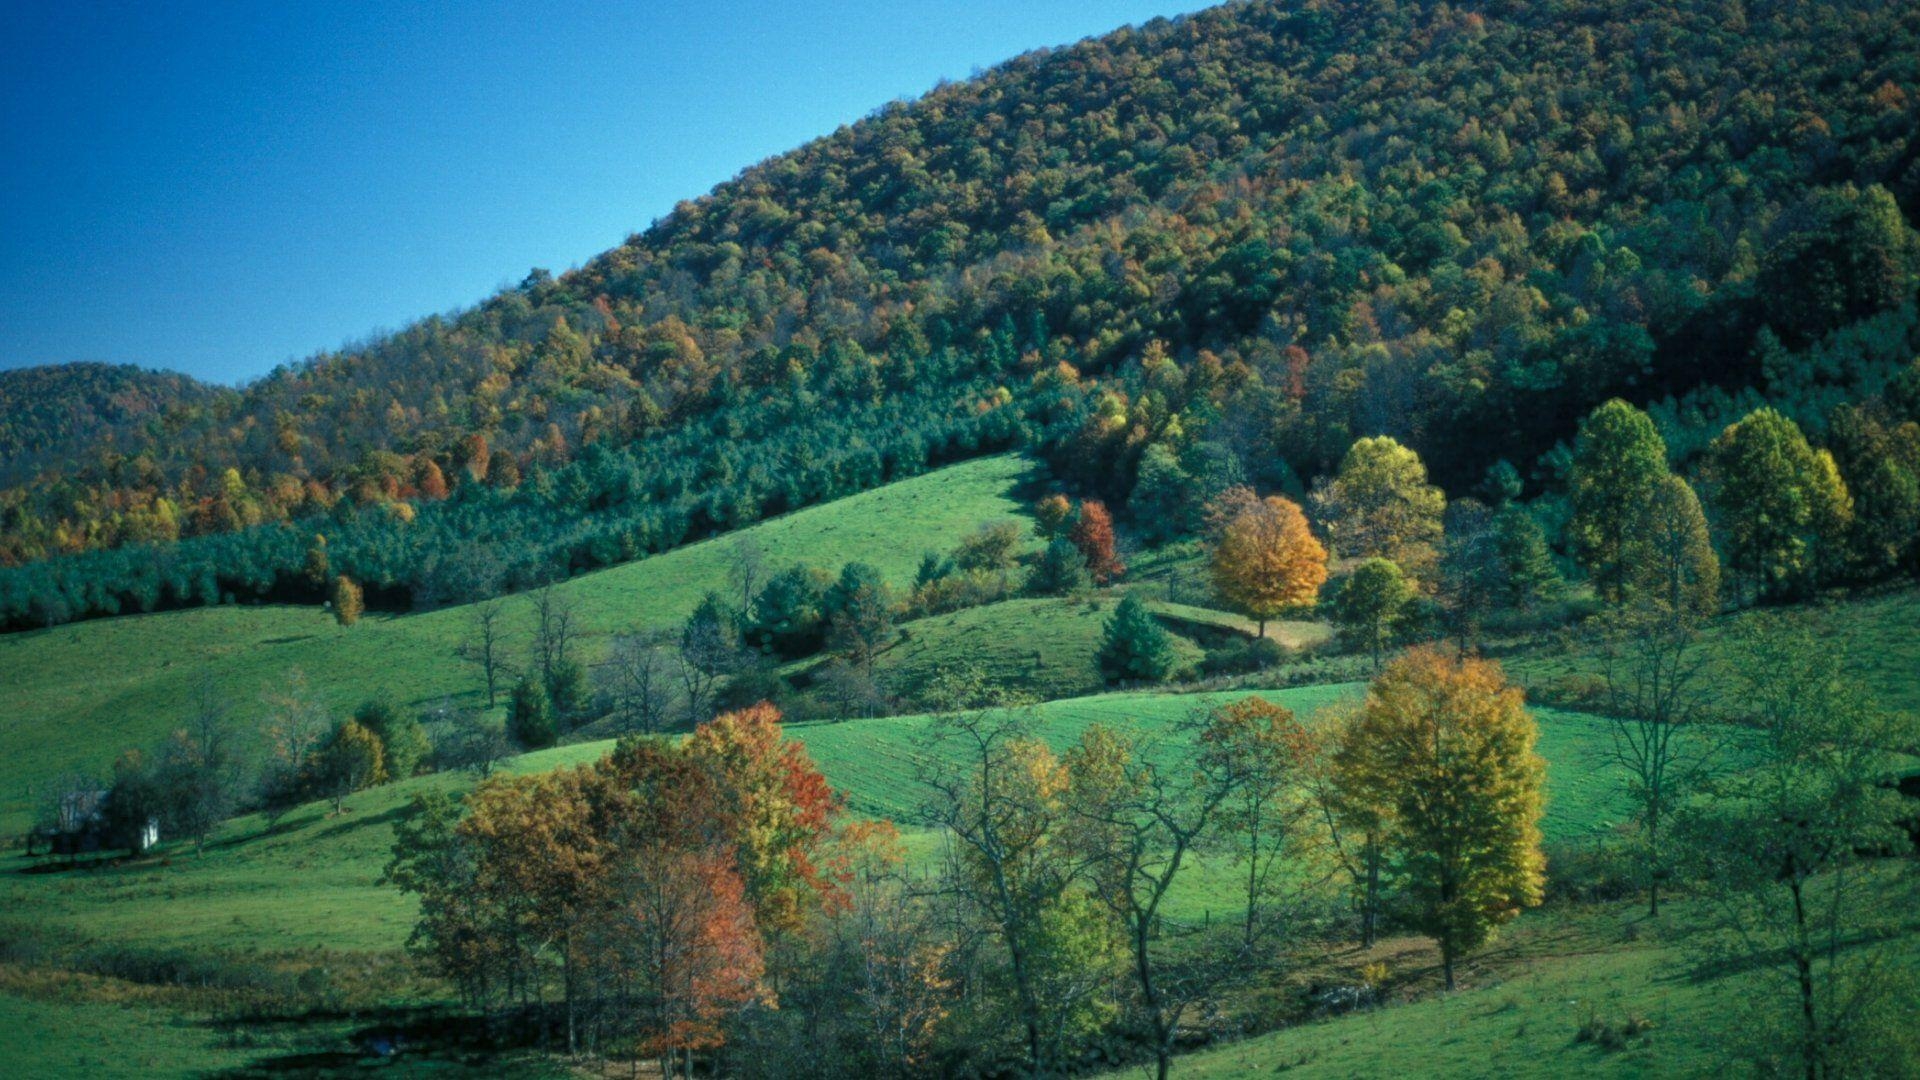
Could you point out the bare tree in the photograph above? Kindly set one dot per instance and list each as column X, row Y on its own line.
column 639, row 680
column 1652, row 664
column 467, row 740
column 1138, row 823
column 555, row 629
column 746, row 570
column 484, row 648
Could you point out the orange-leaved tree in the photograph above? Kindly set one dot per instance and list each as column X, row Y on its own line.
column 1093, row 534
column 1267, row 560
column 785, row 809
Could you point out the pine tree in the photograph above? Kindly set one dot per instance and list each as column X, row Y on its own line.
column 1062, row 569
column 530, row 715
column 1136, row 648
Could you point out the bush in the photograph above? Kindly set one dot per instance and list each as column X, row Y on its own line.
column 1242, row 656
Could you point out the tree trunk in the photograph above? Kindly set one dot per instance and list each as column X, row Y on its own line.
column 1446, row 962
column 1263, row 628
column 1803, row 976
column 1371, row 903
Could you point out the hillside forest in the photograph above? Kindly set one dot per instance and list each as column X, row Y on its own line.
column 1355, row 536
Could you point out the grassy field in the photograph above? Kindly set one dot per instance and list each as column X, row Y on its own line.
column 1046, row 648
column 74, row 697
column 312, row 880
column 1878, row 636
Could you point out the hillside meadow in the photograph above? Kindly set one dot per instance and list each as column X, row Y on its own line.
column 74, row 697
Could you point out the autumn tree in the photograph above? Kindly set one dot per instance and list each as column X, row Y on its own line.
column 1051, row 516
column 1783, row 507
column 785, row 807
column 1444, row 748
column 1355, row 822
column 678, row 923
column 1267, row 560
column 1618, row 460
column 1370, row 606
column 351, row 760
column 1092, row 533
column 1380, row 504
column 348, row 601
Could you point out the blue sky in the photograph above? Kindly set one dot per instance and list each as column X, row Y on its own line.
column 219, row 188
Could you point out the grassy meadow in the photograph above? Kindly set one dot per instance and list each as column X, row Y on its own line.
column 74, row 697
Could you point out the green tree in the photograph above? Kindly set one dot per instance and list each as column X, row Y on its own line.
column 402, row 739
column 530, row 717
column 1618, row 459
column 1062, row 570
column 1370, row 606
column 1783, row 508
column 860, row 614
column 1380, row 505
column 1136, row 647
column 1782, row 839
column 1670, row 561
column 789, row 614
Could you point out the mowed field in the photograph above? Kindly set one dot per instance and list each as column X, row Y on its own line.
column 75, row 696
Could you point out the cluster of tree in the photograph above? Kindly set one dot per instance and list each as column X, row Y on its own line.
column 683, row 897
column 1517, row 214
column 213, row 766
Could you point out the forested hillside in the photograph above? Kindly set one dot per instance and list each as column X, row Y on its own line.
column 48, row 414
column 1224, row 246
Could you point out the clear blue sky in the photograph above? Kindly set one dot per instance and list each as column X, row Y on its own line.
column 217, row 188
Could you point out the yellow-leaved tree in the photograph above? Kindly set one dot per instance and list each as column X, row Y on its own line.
column 1443, row 750
column 1267, row 560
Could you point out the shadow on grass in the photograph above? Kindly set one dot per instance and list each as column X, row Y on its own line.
column 432, row 1036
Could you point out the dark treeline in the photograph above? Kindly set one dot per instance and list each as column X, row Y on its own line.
column 1462, row 226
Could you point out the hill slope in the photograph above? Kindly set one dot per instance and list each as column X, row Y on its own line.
column 1461, row 225
column 74, row 697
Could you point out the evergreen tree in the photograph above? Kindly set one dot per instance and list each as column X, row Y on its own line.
column 1528, row 576
column 530, row 715
column 1136, row 647
column 1062, row 570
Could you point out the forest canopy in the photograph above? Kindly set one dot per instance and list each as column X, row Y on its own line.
column 1247, row 238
